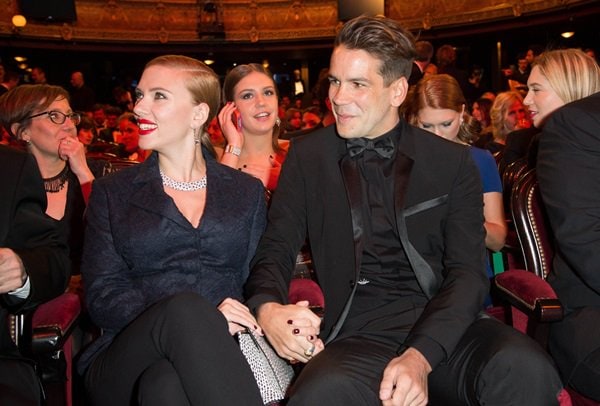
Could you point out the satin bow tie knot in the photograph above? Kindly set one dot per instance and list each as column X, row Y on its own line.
column 384, row 147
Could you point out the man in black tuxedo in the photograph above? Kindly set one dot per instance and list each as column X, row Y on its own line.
column 568, row 170
column 395, row 222
column 423, row 58
column 34, row 266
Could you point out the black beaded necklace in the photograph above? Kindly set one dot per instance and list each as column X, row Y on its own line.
column 56, row 183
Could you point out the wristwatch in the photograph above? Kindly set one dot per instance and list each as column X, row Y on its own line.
column 232, row 149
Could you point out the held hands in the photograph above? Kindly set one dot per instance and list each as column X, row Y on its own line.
column 12, row 271
column 292, row 330
column 405, row 380
column 230, row 122
column 238, row 316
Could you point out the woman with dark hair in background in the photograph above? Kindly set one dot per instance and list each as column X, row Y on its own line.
column 251, row 125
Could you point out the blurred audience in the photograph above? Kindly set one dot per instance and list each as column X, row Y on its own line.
column 82, row 96
column 130, row 138
column 508, row 114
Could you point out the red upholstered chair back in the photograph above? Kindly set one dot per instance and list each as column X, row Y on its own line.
column 531, row 224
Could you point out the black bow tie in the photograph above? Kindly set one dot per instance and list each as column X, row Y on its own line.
column 384, row 147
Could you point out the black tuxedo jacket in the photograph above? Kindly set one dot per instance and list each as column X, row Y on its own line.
column 568, row 170
column 437, row 191
column 25, row 228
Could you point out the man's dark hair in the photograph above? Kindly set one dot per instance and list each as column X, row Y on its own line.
column 384, row 39
column 424, row 51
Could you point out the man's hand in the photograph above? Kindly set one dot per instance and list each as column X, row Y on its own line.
column 291, row 329
column 405, row 380
column 12, row 271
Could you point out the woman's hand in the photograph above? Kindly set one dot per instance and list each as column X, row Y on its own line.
column 292, row 330
column 238, row 316
column 70, row 149
column 230, row 122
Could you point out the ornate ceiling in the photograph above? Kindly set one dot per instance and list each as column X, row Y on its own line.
column 251, row 21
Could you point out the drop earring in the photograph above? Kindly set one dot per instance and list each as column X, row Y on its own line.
column 197, row 139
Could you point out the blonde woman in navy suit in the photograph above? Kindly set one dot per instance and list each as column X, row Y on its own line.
column 167, row 251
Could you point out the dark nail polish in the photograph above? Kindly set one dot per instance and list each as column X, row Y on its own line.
column 290, row 321
column 295, row 331
column 310, row 338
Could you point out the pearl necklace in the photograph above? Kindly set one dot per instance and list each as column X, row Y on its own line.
column 183, row 186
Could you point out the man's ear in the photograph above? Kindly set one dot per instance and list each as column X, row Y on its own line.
column 200, row 115
column 399, row 90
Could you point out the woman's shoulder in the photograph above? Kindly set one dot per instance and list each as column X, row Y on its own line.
column 482, row 157
column 224, row 173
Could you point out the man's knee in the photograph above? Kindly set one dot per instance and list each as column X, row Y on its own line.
column 521, row 369
column 331, row 386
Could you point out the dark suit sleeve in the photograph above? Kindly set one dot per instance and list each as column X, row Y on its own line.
column 459, row 300
column 259, row 220
column 275, row 257
column 569, row 175
column 32, row 235
column 112, row 297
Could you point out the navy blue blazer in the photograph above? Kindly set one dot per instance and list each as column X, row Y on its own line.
column 437, row 190
column 139, row 248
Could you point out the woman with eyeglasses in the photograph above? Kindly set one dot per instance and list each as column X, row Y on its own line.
column 40, row 115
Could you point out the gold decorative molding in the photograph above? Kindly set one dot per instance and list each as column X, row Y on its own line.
column 176, row 21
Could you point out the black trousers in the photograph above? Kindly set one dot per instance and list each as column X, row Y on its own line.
column 19, row 384
column 575, row 345
column 178, row 352
column 493, row 364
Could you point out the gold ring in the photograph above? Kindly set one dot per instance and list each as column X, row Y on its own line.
column 309, row 352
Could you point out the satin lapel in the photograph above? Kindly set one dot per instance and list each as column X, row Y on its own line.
column 423, row 272
column 351, row 178
column 352, row 184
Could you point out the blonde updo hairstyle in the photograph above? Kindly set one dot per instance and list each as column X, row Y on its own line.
column 202, row 83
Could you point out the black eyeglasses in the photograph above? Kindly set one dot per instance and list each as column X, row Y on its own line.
column 59, row 118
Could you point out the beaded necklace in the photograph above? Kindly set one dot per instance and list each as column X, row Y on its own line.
column 56, row 183
column 183, row 186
